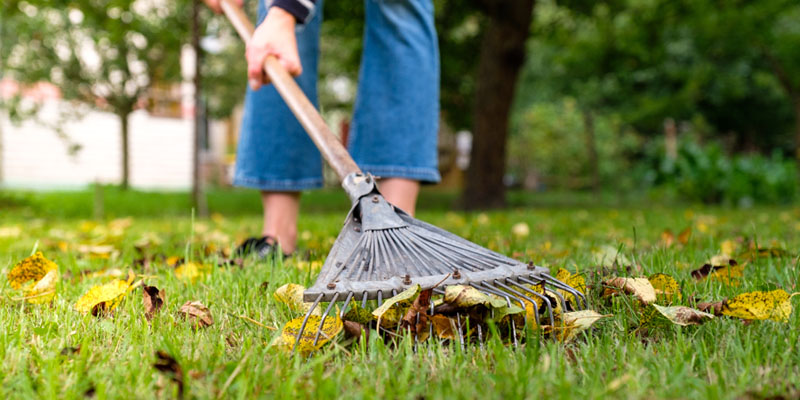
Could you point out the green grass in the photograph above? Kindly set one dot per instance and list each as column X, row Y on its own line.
column 724, row 358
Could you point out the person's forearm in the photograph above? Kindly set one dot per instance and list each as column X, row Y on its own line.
column 302, row 10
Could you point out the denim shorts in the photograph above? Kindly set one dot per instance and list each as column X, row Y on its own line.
column 395, row 122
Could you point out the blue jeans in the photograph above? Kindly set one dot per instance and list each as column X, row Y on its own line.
column 395, row 124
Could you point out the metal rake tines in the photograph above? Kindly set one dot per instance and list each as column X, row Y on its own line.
column 515, row 290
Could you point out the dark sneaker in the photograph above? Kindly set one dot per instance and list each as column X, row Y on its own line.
column 262, row 247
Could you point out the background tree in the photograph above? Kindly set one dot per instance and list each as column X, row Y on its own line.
column 103, row 55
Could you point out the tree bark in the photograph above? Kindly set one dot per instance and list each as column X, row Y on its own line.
column 198, row 194
column 123, row 120
column 502, row 56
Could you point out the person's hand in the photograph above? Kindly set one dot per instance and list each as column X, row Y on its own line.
column 274, row 37
column 217, row 8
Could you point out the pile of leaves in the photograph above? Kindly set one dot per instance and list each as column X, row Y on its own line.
column 466, row 314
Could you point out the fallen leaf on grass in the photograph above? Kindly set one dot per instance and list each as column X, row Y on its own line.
column 44, row 291
column 330, row 328
column 192, row 271
column 685, row 234
column 639, row 287
column 576, row 322
column 102, row 299
column 292, row 295
column 358, row 314
column 354, row 329
column 393, row 309
column 576, row 281
column 683, row 316
column 103, row 251
column 197, row 313
column 153, row 299
column 710, row 307
column 520, row 230
column 774, row 305
column 37, row 276
column 727, row 274
column 467, row 296
column 665, row 287
column 168, row 365
column 444, row 327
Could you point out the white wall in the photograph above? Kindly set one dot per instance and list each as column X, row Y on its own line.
column 160, row 149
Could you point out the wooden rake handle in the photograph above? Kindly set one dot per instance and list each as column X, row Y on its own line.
column 330, row 147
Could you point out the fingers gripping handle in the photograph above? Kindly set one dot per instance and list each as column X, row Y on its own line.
column 330, row 147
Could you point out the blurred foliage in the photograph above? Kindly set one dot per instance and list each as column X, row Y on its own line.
column 706, row 173
column 549, row 147
column 729, row 69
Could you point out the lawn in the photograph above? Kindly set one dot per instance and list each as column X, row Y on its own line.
column 55, row 351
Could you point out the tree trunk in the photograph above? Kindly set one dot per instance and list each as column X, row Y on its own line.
column 591, row 150
column 123, row 121
column 502, row 55
column 198, row 194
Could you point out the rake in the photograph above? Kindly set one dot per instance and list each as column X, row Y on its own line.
column 382, row 250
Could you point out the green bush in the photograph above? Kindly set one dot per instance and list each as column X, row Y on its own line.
column 708, row 174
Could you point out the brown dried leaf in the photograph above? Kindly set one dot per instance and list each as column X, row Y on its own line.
column 709, row 307
column 197, row 313
column 354, row 329
column 727, row 274
column 639, row 287
column 683, row 316
column 153, row 299
column 684, row 236
column 420, row 307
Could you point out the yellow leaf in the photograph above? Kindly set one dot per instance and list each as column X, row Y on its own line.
column 467, row 296
column 44, row 291
column 728, row 247
column 444, row 327
column 33, row 268
column 358, row 314
column 520, row 230
column 665, row 286
column 393, row 309
column 191, row 271
column 774, row 305
column 103, row 298
column 576, row 322
column 639, row 287
column 292, row 295
column 330, row 328
column 576, row 281
column 728, row 274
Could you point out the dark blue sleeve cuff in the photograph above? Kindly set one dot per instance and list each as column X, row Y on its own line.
column 302, row 10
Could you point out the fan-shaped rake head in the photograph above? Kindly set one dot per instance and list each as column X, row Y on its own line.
column 382, row 251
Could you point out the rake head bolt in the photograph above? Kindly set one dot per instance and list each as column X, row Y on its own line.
column 407, row 279
column 357, row 229
column 456, row 274
column 331, row 285
column 375, row 199
column 531, row 266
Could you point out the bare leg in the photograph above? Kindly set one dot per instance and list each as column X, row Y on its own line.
column 401, row 192
column 280, row 217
